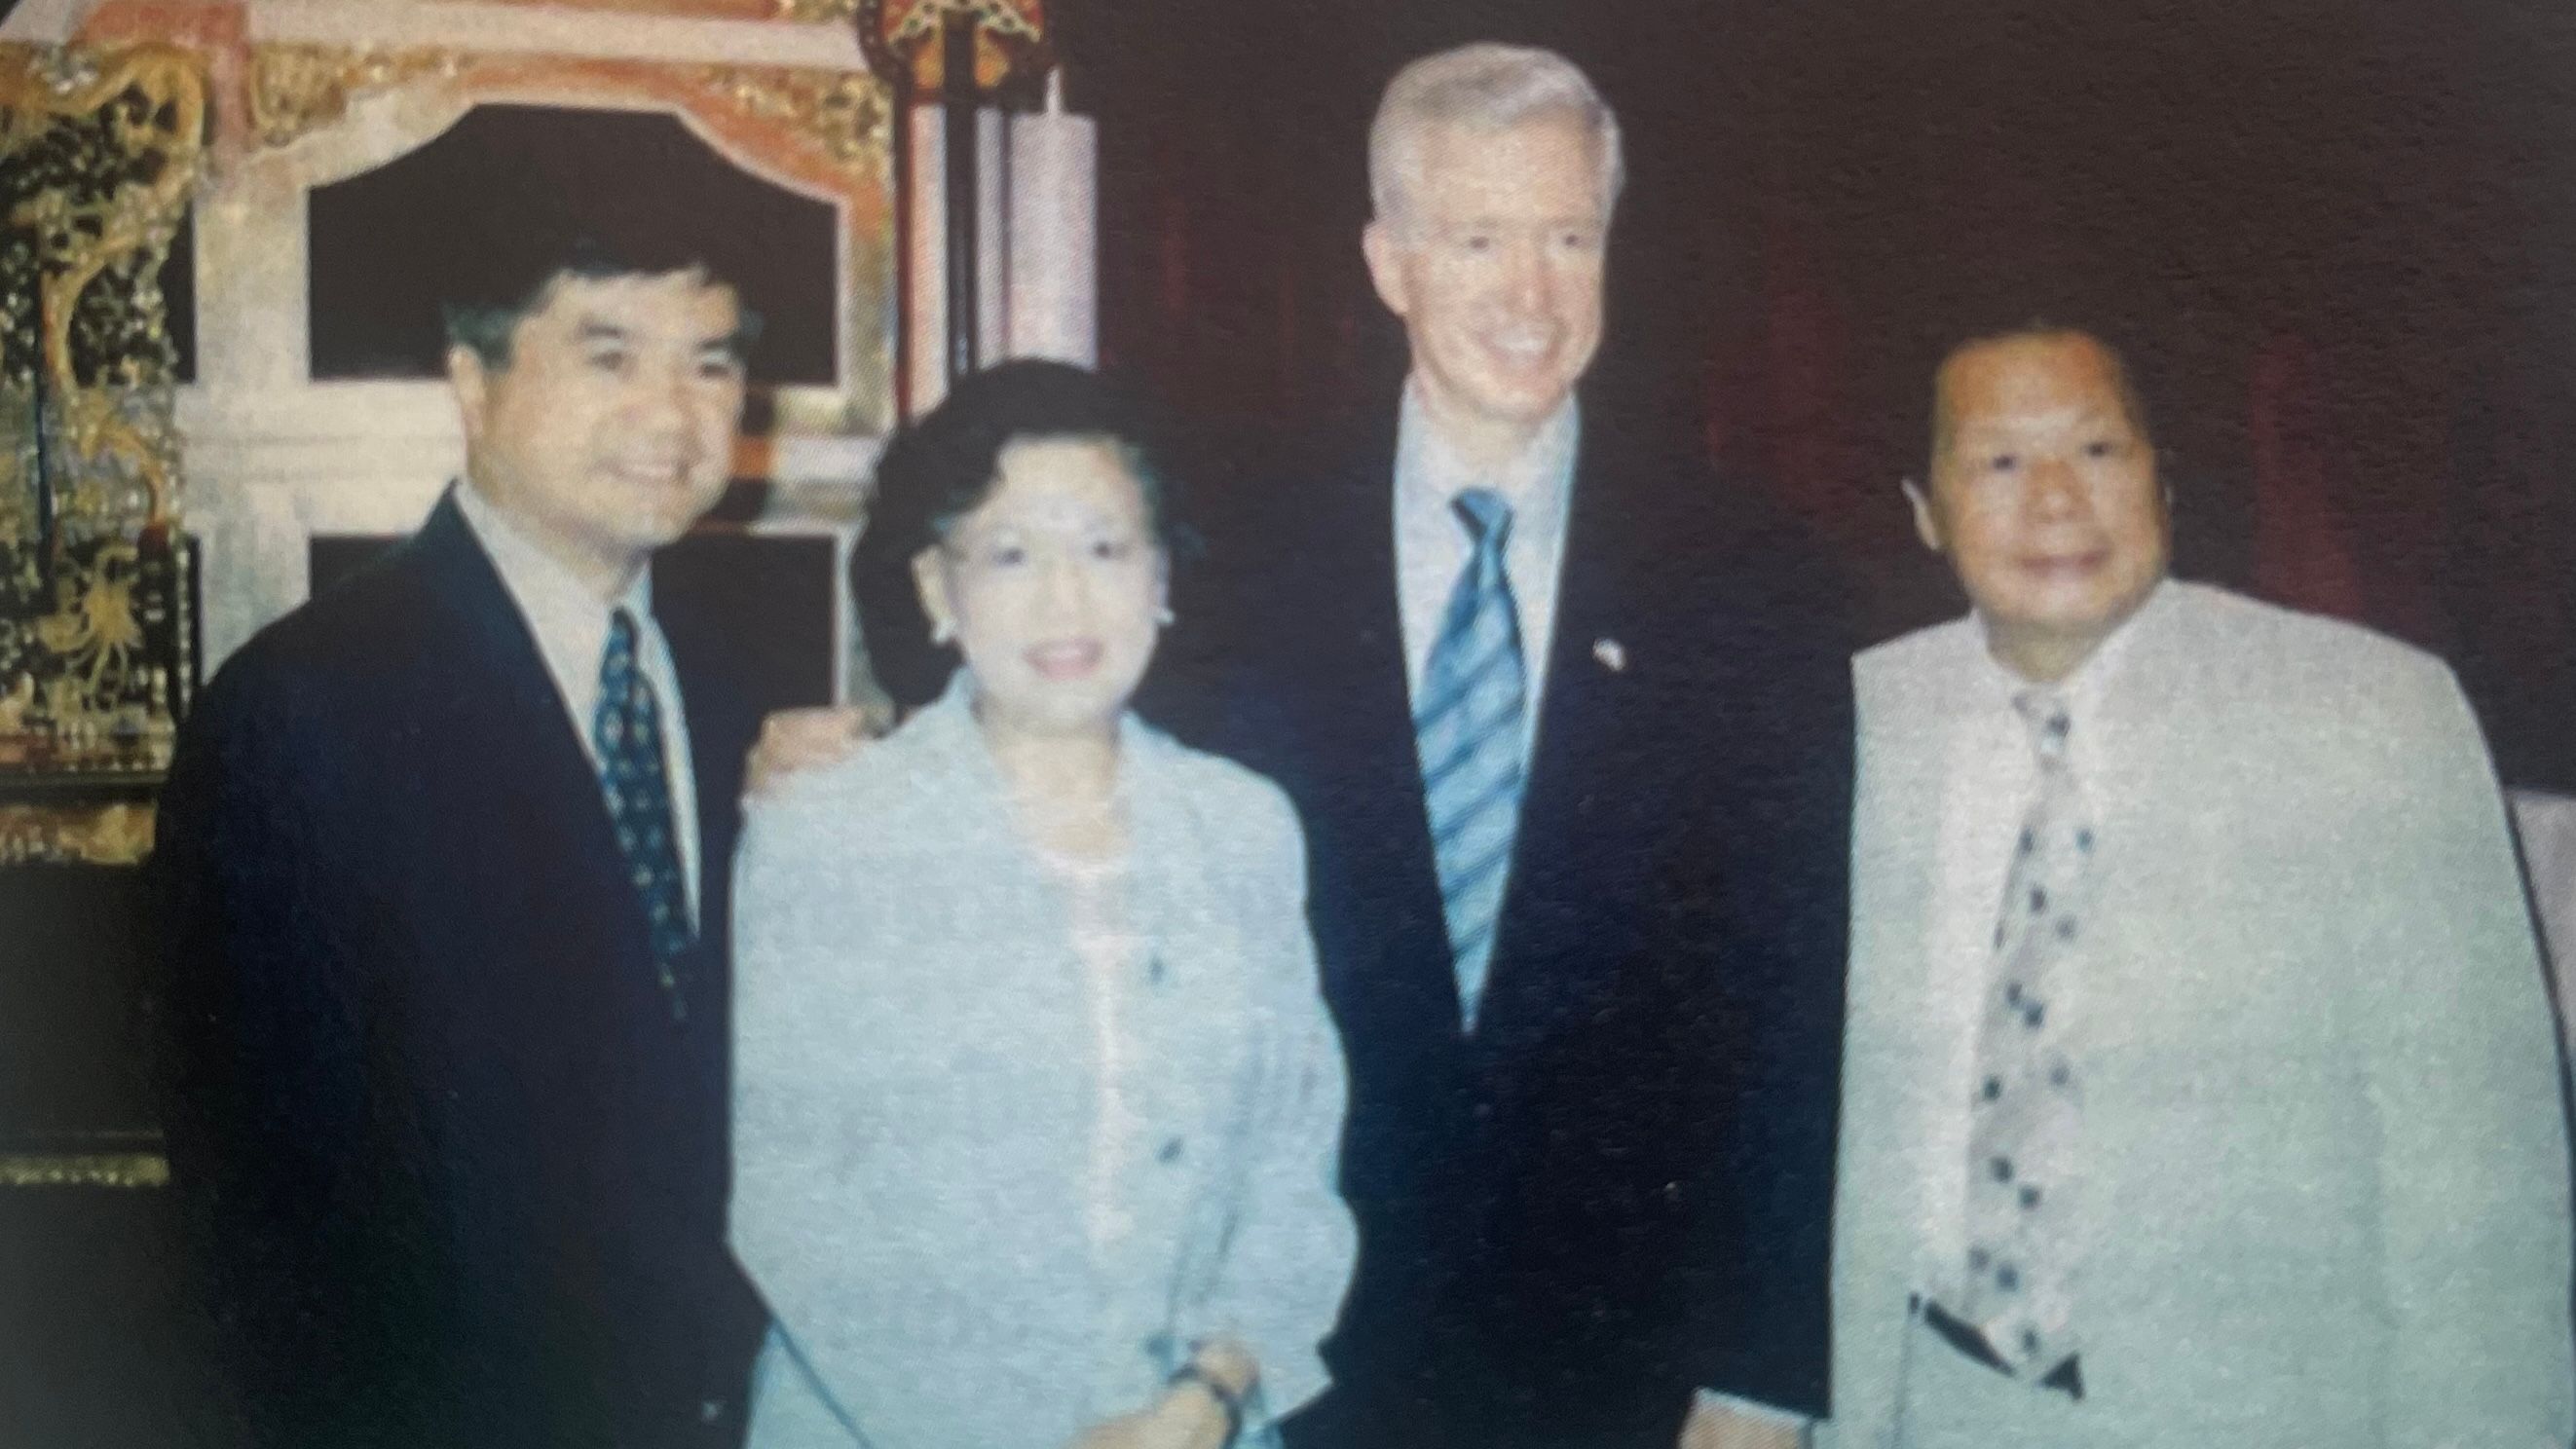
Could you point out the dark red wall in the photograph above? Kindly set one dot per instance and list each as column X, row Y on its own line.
column 2338, row 241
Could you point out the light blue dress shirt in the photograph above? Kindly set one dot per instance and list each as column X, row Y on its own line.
column 1432, row 546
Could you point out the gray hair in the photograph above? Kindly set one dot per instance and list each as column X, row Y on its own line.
column 1488, row 87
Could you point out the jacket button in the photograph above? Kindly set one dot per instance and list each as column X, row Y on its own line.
column 1171, row 1151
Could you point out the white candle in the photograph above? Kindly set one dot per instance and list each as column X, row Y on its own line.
column 1037, row 242
column 926, row 320
column 1054, row 232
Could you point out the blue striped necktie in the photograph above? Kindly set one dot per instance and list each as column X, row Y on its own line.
column 1470, row 728
column 627, row 731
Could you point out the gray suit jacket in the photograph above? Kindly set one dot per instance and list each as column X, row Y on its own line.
column 915, row 1081
column 2329, row 1181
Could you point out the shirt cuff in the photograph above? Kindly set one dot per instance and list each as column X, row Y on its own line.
column 1753, row 1408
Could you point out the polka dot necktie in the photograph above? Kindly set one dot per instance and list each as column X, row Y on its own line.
column 1469, row 730
column 627, row 732
column 2026, row 1099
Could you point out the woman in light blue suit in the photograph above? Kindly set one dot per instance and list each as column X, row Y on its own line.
column 1036, row 1100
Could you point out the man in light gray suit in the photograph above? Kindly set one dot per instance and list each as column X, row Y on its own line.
column 2201, row 1087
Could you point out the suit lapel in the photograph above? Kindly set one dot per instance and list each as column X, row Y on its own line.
column 1354, row 683
column 512, row 706
column 1907, row 721
column 2151, row 692
column 1585, row 692
column 721, row 721
column 1901, row 1036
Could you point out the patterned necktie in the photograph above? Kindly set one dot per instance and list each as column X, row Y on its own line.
column 1469, row 729
column 627, row 731
column 2027, row 1101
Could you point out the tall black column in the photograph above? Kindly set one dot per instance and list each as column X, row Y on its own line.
column 963, row 150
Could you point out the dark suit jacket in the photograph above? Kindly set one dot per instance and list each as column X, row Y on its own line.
column 455, row 1175
column 1620, row 1187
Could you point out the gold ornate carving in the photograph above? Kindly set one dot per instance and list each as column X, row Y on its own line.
column 100, row 151
column 901, row 37
column 817, row 12
column 116, row 833
column 908, row 23
column 299, row 89
column 845, row 111
column 831, row 129
column 94, row 657
column 84, row 1169
column 114, row 143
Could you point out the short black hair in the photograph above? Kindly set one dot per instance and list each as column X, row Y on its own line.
column 2037, row 329
column 946, row 464
column 531, row 243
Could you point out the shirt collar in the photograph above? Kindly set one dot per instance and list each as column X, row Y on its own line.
column 547, row 592
column 2082, row 690
column 1530, row 482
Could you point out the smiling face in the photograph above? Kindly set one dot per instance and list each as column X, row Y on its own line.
column 1496, row 268
column 2044, row 497
column 1051, row 588
column 610, row 429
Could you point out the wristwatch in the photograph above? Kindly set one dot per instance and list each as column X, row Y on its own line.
column 1226, row 1398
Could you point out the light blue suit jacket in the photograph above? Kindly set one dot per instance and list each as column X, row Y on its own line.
column 914, row 1088
column 2327, row 1166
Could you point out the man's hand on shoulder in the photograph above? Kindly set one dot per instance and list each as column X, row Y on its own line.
column 794, row 741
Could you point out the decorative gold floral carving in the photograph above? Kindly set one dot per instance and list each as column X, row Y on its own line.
column 94, row 657
column 116, row 833
column 112, row 207
column 830, row 128
column 845, row 111
column 298, row 89
column 84, row 1169
column 908, row 23
column 97, row 628
column 100, row 150
column 901, row 37
column 817, row 12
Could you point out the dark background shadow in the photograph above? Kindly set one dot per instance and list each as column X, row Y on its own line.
column 2339, row 244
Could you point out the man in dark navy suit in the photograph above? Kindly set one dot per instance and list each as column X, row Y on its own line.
column 444, row 860
column 1570, row 727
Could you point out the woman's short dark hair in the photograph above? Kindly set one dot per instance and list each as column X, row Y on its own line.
column 945, row 465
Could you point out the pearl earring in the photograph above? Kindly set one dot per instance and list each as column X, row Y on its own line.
column 1164, row 617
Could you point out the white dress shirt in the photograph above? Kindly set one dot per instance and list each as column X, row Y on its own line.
column 1990, row 775
column 1432, row 545
column 570, row 625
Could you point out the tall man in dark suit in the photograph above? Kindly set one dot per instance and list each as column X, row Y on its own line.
column 1570, row 727
column 444, row 858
